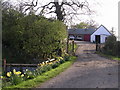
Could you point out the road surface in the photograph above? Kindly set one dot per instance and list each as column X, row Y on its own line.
column 89, row 71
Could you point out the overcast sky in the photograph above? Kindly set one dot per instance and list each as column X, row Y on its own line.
column 106, row 12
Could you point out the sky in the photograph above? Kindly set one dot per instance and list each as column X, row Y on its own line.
column 106, row 13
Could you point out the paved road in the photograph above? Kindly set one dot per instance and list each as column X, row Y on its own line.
column 89, row 71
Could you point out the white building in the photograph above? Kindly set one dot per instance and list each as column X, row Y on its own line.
column 100, row 35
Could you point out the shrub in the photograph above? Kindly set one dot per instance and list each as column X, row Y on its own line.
column 112, row 47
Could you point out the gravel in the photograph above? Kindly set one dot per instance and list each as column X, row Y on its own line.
column 89, row 71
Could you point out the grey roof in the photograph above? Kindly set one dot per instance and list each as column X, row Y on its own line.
column 81, row 31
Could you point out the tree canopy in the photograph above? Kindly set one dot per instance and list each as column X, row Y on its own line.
column 84, row 25
column 30, row 36
column 62, row 10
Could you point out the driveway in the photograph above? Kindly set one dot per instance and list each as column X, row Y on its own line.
column 89, row 71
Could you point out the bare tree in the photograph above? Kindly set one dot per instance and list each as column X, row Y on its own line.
column 63, row 10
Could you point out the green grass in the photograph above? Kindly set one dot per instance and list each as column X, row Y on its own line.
column 108, row 56
column 45, row 76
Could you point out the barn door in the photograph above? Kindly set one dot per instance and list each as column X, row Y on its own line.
column 86, row 37
column 97, row 38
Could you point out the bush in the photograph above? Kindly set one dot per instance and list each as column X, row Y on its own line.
column 112, row 47
column 116, row 49
column 40, row 39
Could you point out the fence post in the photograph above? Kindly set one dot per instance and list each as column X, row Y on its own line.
column 73, row 47
column 4, row 67
column 21, row 70
column 96, row 46
column 67, row 43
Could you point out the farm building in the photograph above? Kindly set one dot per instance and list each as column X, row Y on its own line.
column 91, row 34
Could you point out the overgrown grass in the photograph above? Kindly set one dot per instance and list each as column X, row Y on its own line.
column 108, row 56
column 45, row 76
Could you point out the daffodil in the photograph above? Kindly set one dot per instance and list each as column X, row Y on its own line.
column 9, row 74
column 22, row 75
column 27, row 76
column 61, row 58
column 26, row 69
column 43, row 63
column 17, row 73
column 47, row 62
column 1, row 77
column 14, row 71
column 50, row 63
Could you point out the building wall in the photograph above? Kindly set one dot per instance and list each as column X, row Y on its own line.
column 87, row 37
column 102, row 32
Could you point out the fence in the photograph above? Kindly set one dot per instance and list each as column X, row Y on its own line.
column 6, row 65
column 71, row 47
column 99, row 47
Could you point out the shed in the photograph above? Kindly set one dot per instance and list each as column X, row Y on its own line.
column 100, row 35
column 91, row 34
column 83, row 33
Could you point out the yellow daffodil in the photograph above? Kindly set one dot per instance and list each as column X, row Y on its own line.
column 43, row 63
column 14, row 71
column 22, row 75
column 39, row 64
column 17, row 73
column 46, row 62
column 26, row 69
column 9, row 74
column 1, row 77
column 61, row 58
column 50, row 63
column 27, row 76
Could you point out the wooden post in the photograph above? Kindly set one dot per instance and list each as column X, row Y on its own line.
column 96, row 46
column 67, row 43
column 4, row 67
column 21, row 70
column 73, row 46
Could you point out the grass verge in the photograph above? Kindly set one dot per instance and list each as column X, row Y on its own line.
column 108, row 56
column 45, row 76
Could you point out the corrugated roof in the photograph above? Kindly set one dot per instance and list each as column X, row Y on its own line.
column 81, row 31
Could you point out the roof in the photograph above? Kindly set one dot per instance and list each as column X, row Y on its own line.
column 104, row 27
column 81, row 31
